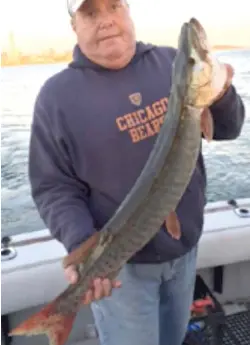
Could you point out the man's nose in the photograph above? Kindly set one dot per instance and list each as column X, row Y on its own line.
column 105, row 19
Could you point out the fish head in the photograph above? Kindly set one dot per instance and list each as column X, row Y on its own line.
column 208, row 76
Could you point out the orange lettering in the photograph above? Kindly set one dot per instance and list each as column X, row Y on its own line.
column 150, row 113
column 164, row 103
column 141, row 115
column 142, row 132
column 157, row 108
column 129, row 120
column 120, row 124
column 161, row 119
column 156, row 125
column 134, row 135
column 149, row 130
column 136, row 118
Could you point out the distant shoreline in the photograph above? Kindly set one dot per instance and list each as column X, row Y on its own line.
column 226, row 48
column 7, row 61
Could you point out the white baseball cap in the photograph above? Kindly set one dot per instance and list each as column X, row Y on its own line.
column 74, row 5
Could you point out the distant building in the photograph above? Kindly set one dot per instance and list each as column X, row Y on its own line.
column 13, row 52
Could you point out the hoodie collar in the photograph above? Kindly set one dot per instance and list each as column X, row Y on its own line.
column 81, row 61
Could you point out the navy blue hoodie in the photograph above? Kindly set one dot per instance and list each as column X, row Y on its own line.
column 92, row 132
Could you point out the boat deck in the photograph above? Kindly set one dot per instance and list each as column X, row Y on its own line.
column 235, row 331
column 239, row 327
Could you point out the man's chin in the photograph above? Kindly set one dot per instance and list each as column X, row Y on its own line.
column 114, row 54
column 112, row 47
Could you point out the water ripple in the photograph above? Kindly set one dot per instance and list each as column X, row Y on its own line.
column 227, row 162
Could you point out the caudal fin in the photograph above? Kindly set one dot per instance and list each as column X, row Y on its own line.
column 47, row 321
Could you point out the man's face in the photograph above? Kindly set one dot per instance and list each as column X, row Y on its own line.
column 104, row 28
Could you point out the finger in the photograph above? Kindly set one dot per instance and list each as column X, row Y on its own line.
column 98, row 289
column 107, row 287
column 71, row 274
column 88, row 297
column 116, row 284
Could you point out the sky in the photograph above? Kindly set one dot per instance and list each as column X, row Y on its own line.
column 41, row 24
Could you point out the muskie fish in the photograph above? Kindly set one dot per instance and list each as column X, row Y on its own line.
column 197, row 79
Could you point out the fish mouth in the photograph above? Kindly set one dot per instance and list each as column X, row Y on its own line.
column 198, row 39
column 200, row 64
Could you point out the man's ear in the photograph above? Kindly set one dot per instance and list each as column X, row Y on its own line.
column 73, row 23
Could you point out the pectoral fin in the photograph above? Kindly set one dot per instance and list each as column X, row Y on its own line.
column 173, row 225
column 207, row 124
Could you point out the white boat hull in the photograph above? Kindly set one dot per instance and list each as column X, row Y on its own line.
column 35, row 276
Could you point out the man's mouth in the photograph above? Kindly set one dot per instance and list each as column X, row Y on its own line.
column 108, row 37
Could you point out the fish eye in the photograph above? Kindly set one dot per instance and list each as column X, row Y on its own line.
column 191, row 61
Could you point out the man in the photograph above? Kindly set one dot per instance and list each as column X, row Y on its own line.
column 94, row 126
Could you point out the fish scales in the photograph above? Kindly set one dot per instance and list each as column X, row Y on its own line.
column 163, row 195
column 139, row 231
column 196, row 80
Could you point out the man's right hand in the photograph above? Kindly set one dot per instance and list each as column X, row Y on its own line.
column 101, row 287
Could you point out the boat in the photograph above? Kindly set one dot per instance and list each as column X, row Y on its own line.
column 32, row 273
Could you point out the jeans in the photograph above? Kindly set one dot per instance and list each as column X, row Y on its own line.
column 153, row 305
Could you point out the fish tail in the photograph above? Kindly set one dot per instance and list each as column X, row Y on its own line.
column 48, row 321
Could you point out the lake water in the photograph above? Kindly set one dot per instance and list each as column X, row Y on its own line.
column 228, row 163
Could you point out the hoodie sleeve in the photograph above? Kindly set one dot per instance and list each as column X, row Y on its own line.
column 61, row 198
column 228, row 115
